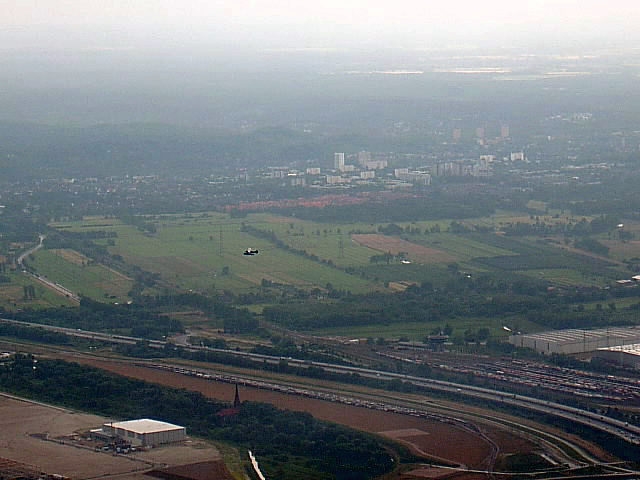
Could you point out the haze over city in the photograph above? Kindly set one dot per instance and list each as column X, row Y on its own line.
column 354, row 240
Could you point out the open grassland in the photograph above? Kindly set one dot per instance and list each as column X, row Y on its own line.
column 418, row 330
column 206, row 251
column 565, row 277
column 623, row 250
column 92, row 280
column 12, row 294
column 537, row 254
column 502, row 218
column 461, row 247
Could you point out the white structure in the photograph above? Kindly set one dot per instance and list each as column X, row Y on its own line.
column 313, row 171
column 338, row 161
column 146, row 432
column 398, row 172
column 418, row 178
column 335, row 179
column 367, row 174
column 364, row 157
column 575, row 340
column 297, row 180
column 517, row 157
column 376, row 165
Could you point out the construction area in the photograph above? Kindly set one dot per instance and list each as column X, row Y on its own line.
column 576, row 340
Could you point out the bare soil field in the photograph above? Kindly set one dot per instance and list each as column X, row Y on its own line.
column 463, row 447
column 195, row 471
column 435, row 439
column 21, row 420
column 428, row 472
column 395, row 245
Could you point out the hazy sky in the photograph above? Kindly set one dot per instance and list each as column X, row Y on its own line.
column 320, row 23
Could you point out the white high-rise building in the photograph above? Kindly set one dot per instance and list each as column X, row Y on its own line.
column 338, row 161
column 517, row 157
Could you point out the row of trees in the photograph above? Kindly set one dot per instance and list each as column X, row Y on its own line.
column 132, row 320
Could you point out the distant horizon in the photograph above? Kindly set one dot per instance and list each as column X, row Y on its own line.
column 73, row 24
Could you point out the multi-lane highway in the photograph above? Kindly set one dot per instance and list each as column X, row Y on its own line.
column 623, row 430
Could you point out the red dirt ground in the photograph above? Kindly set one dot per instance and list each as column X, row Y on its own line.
column 195, row 471
column 441, row 440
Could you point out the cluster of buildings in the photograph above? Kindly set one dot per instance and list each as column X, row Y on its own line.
column 480, row 135
column 367, row 167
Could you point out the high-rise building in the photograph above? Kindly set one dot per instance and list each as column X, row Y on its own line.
column 457, row 134
column 338, row 161
column 364, row 157
column 504, row 131
column 480, row 132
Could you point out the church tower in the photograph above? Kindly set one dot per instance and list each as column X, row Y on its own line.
column 236, row 400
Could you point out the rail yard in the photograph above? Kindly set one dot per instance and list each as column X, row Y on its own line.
column 597, row 420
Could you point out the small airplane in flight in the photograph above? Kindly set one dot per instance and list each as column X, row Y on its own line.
column 250, row 251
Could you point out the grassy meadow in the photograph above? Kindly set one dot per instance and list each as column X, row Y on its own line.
column 80, row 275
column 204, row 252
column 12, row 294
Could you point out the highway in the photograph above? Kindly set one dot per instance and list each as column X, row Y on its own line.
column 617, row 428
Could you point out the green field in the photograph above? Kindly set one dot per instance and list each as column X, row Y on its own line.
column 462, row 247
column 12, row 294
column 94, row 281
column 204, row 252
column 418, row 330
column 187, row 251
column 566, row 277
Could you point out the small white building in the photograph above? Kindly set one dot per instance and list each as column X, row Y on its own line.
column 146, row 432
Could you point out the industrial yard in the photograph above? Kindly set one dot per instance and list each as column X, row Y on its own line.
column 47, row 439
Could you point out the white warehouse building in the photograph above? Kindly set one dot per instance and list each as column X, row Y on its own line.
column 146, row 432
column 576, row 340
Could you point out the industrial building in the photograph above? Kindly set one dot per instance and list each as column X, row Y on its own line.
column 145, row 432
column 623, row 355
column 576, row 340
